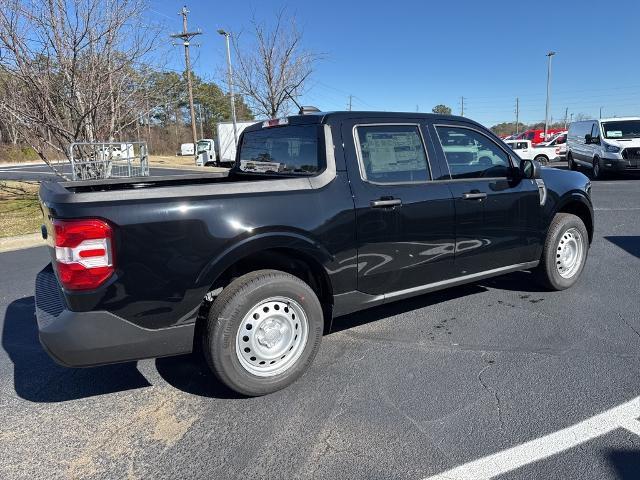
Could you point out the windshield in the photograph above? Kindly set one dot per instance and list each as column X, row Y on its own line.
column 288, row 150
column 203, row 146
column 622, row 129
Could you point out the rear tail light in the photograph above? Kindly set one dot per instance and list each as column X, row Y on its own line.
column 84, row 253
column 557, row 149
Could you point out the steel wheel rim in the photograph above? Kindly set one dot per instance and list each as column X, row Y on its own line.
column 272, row 336
column 569, row 253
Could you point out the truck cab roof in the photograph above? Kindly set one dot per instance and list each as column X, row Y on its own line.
column 338, row 116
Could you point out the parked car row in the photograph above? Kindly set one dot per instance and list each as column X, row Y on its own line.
column 553, row 150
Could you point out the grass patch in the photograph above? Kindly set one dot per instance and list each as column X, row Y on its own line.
column 15, row 154
column 19, row 208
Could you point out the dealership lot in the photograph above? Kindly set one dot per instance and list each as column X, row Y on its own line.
column 408, row 390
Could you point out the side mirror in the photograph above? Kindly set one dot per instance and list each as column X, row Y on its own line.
column 529, row 169
column 588, row 139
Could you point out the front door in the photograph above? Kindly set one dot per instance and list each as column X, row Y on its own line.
column 404, row 221
column 498, row 216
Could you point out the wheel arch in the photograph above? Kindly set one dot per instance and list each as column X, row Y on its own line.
column 289, row 252
column 577, row 204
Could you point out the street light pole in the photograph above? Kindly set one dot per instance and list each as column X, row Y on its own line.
column 230, row 79
column 546, row 111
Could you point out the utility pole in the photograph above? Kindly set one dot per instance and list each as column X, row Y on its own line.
column 546, row 111
column 200, row 118
column 186, row 37
column 571, row 118
column 350, row 105
column 462, row 106
column 230, row 80
column 600, row 112
column 566, row 113
column 517, row 115
column 148, row 125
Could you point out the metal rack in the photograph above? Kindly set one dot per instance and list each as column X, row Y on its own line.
column 99, row 160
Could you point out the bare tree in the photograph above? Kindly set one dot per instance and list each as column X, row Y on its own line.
column 272, row 66
column 72, row 70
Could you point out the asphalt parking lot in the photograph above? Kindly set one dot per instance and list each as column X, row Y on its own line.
column 494, row 380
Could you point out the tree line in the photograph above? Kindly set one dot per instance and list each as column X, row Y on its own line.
column 90, row 70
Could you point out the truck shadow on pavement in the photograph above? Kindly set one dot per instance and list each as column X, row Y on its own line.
column 37, row 378
column 626, row 463
column 629, row 243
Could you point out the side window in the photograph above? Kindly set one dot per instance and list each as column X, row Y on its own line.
column 392, row 154
column 470, row 154
column 522, row 145
column 595, row 131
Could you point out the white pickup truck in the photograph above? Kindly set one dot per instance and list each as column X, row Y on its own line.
column 527, row 151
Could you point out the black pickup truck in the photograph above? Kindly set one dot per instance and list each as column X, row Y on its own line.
column 322, row 215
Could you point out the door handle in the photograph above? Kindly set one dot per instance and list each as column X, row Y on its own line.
column 474, row 195
column 387, row 202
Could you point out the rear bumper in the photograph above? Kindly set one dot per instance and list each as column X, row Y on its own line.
column 83, row 339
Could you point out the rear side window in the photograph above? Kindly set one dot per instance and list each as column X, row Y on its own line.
column 286, row 150
column 391, row 153
column 470, row 154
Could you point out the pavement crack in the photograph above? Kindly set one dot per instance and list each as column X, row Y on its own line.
column 493, row 392
column 624, row 320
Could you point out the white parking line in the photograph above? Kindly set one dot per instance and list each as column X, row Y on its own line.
column 19, row 167
column 30, row 173
column 623, row 416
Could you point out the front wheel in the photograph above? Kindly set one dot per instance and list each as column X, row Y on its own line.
column 596, row 172
column 564, row 253
column 263, row 332
column 571, row 164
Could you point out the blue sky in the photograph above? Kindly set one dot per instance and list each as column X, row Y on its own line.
column 404, row 55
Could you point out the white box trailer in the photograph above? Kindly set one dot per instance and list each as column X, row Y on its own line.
column 186, row 149
column 226, row 143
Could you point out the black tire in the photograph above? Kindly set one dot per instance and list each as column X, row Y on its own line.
column 571, row 164
column 547, row 271
column 542, row 159
column 227, row 314
column 596, row 170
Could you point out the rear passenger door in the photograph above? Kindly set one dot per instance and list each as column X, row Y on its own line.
column 498, row 215
column 404, row 220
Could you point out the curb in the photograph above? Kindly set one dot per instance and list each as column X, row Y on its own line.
column 20, row 242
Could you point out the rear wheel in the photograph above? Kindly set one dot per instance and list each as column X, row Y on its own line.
column 263, row 332
column 571, row 164
column 564, row 253
column 542, row 159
